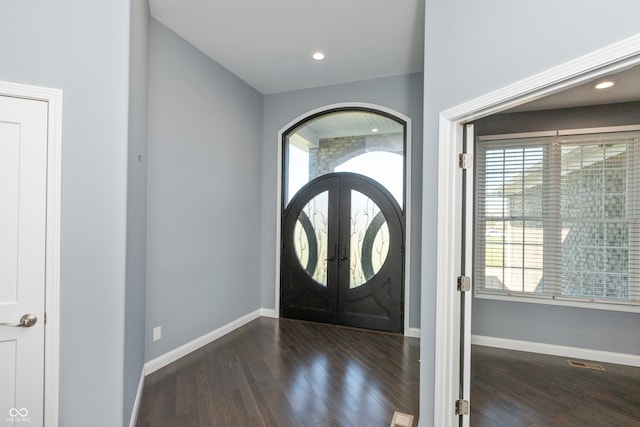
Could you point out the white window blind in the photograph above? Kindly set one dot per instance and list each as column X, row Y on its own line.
column 559, row 216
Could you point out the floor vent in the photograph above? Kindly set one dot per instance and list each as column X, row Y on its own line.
column 586, row 365
column 401, row 420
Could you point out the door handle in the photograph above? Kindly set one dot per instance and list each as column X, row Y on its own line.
column 343, row 253
column 331, row 256
column 26, row 321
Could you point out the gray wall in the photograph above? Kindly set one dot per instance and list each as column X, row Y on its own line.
column 567, row 326
column 203, row 121
column 82, row 48
column 204, row 194
column 400, row 93
column 473, row 48
column 136, row 204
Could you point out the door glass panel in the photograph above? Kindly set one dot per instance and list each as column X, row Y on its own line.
column 369, row 244
column 363, row 142
column 310, row 237
column 386, row 168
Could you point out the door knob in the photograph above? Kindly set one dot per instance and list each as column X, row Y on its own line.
column 331, row 257
column 26, row 321
column 342, row 252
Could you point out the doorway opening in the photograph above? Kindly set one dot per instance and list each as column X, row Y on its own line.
column 343, row 216
column 453, row 317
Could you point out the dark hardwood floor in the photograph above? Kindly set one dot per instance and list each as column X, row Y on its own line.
column 513, row 388
column 283, row 372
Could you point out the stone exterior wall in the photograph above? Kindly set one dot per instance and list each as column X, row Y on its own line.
column 332, row 152
column 595, row 255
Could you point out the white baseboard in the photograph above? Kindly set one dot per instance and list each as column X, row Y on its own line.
column 179, row 352
column 136, row 403
column 183, row 350
column 558, row 350
column 412, row 332
column 269, row 312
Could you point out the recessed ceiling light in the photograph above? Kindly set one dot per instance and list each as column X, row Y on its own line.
column 374, row 130
column 604, row 85
column 318, row 56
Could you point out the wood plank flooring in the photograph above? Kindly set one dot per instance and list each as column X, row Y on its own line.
column 514, row 388
column 283, row 372
column 279, row 372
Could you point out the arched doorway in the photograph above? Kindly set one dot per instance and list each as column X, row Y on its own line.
column 343, row 219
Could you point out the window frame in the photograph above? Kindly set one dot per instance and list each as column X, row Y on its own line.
column 552, row 163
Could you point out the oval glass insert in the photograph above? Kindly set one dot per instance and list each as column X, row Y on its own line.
column 369, row 239
column 310, row 237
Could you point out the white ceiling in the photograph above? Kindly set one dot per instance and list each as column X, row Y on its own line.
column 268, row 43
column 626, row 89
column 352, row 123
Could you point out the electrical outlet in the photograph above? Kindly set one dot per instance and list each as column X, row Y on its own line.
column 157, row 333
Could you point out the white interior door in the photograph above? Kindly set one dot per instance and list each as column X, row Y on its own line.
column 23, row 191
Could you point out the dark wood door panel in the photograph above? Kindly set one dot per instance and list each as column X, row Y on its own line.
column 308, row 277
column 353, row 275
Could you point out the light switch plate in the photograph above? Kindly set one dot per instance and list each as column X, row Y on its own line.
column 157, row 333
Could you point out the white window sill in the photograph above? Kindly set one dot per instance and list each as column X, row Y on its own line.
column 595, row 305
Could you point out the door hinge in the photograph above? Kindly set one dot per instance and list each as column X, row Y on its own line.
column 464, row 283
column 462, row 407
column 463, row 161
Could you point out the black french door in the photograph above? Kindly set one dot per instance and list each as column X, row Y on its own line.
column 342, row 254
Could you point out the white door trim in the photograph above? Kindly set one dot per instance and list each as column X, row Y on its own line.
column 615, row 57
column 52, row 293
column 407, row 207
